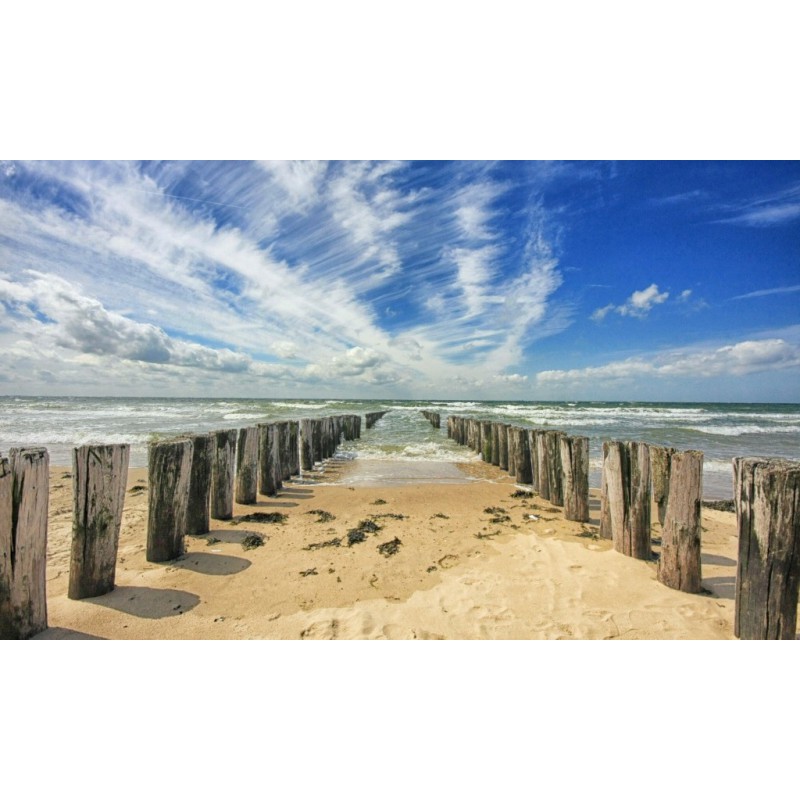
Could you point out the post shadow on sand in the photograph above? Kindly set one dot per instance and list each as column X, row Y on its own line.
column 65, row 634
column 717, row 561
column 228, row 536
column 273, row 504
column 142, row 601
column 724, row 586
column 212, row 563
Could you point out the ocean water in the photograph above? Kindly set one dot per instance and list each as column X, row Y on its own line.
column 721, row 430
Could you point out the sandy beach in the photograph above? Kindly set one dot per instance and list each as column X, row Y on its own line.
column 440, row 560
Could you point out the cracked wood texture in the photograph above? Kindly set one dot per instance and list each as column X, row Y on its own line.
column 247, row 466
column 24, row 494
column 767, row 495
column 555, row 478
column 679, row 565
column 543, row 465
column 575, row 472
column 625, row 498
column 99, row 476
column 522, row 457
column 269, row 467
column 533, row 453
column 197, row 520
column 223, row 463
column 306, row 445
column 169, row 467
column 659, row 475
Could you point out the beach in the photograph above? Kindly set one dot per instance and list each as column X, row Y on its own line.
column 451, row 555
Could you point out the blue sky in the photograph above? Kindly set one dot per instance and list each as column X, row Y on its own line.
column 492, row 280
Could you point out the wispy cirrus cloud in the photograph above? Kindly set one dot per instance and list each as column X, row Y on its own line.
column 778, row 208
column 767, row 292
column 334, row 275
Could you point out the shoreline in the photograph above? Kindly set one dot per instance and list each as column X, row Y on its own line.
column 449, row 560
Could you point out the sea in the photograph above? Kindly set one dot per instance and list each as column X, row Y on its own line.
column 403, row 445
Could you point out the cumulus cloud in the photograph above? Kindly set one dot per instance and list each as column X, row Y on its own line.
column 742, row 358
column 639, row 304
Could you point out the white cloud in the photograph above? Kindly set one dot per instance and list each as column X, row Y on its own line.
column 684, row 295
column 639, row 304
column 742, row 358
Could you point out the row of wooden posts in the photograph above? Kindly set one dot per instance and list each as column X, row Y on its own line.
column 635, row 475
column 192, row 478
column 373, row 417
column 433, row 417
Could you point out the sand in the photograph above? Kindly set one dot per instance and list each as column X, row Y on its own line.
column 459, row 571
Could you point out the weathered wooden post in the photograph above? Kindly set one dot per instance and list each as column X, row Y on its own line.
column 285, row 450
column 575, row 471
column 767, row 495
column 294, row 453
column 502, row 441
column 679, row 564
column 522, row 456
column 625, row 501
column 486, row 441
column 659, row 475
column 317, row 439
column 222, row 473
column 99, row 474
column 200, row 483
column 306, row 445
column 247, row 466
column 269, row 466
column 24, row 495
column 495, row 444
column 169, row 470
column 533, row 451
column 554, row 465
column 542, row 465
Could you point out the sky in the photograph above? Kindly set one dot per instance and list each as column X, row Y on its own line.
column 524, row 280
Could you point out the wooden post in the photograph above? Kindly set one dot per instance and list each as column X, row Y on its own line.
column 767, row 495
column 659, row 474
column 317, row 439
column 222, row 473
column 533, row 453
column 99, row 475
column 542, row 465
column 575, row 470
column 169, row 468
column 502, row 441
column 285, row 448
column 269, row 467
column 554, row 465
column 512, row 443
column 294, row 453
column 625, row 501
column 24, row 495
column 522, row 456
column 679, row 565
column 486, row 441
column 496, row 444
column 247, row 466
column 306, row 445
column 200, row 484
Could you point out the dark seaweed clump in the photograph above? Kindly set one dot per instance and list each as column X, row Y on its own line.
column 252, row 540
column 322, row 516
column 319, row 545
column 720, row 505
column 272, row 517
column 389, row 548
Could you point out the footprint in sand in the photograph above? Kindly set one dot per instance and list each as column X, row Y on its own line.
column 448, row 561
